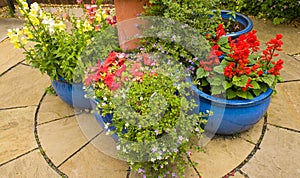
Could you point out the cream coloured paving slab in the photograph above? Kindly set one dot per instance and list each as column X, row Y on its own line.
column 267, row 30
column 291, row 67
column 61, row 138
column 9, row 56
column 31, row 165
column 90, row 162
column 16, row 132
column 89, row 126
column 8, row 23
column 52, row 107
column 284, row 108
column 22, row 86
column 221, row 156
column 279, row 155
column 253, row 134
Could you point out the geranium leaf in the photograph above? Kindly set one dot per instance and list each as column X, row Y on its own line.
column 219, row 69
column 242, row 94
column 231, row 94
column 216, row 90
column 257, row 92
column 223, row 40
column 201, row 73
column 240, row 81
column 227, row 85
column 255, row 85
column 269, row 79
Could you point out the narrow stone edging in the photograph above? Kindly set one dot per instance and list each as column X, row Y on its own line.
column 252, row 153
column 49, row 162
column 58, row 119
column 88, row 142
column 28, row 65
column 128, row 172
column 2, row 164
column 285, row 128
column 243, row 173
column 289, row 81
column 9, row 69
column 16, row 107
column 194, row 167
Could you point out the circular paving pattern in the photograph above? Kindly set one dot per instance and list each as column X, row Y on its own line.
column 74, row 144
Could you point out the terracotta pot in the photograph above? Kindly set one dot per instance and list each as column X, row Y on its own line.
column 126, row 11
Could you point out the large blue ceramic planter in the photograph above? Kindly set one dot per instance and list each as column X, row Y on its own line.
column 102, row 120
column 233, row 116
column 72, row 94
column 241, row 18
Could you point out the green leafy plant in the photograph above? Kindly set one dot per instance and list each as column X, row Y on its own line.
column 234, row 68
column 152, row 106
column 56, row 41
column 279, row 11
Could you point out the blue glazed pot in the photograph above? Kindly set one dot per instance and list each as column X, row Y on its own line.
column 103, row 119
column 233, row 116
column 241, row 18
column 72, row 94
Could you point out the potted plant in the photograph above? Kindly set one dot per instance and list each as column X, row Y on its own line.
column 235, row 81
column 56, row 44
column 145, row 101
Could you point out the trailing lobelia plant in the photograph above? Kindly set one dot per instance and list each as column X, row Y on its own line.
column 153, row 111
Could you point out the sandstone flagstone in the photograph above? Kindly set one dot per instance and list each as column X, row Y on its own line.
column 267, row 30
column 9, row 56
column 9, row 23
column 92, row 163
column 290, row 70
column 253, row 134
column 31, row 165
column 88, row 125
column 221, row 156
column 284, row 108
column 61, row 138
column 279, row 155
column 16, row 132
column 53, row 108
column 22, row 86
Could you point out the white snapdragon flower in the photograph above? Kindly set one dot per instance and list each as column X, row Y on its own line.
column 50, row 24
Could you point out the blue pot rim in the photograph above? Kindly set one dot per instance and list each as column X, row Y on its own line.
column 256, row 100
column 248, row 26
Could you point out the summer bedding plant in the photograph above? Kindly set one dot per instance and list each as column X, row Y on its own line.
column 153, row 111
column 57, row 41
column 236, row 68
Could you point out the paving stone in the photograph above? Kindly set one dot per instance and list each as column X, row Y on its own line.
column 61, row 138
column 22, row 86
column 237, row 175
column 88, row 125
column 297, row 57
column 106, row 145
column 92, row 163
column 254, row 133
column 189, row 173
column 279, row 155
column 284, row 108
column 290, row 70
column 222, row 155
column 267, row 30
column 28, row 166
column 16, row 128
column 52, row 107
column 9, row 55
column 9, row 23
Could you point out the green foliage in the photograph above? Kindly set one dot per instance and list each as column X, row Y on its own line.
column 279, row 11
column 56, row 42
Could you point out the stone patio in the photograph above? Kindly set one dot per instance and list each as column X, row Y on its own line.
column 41, row 136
